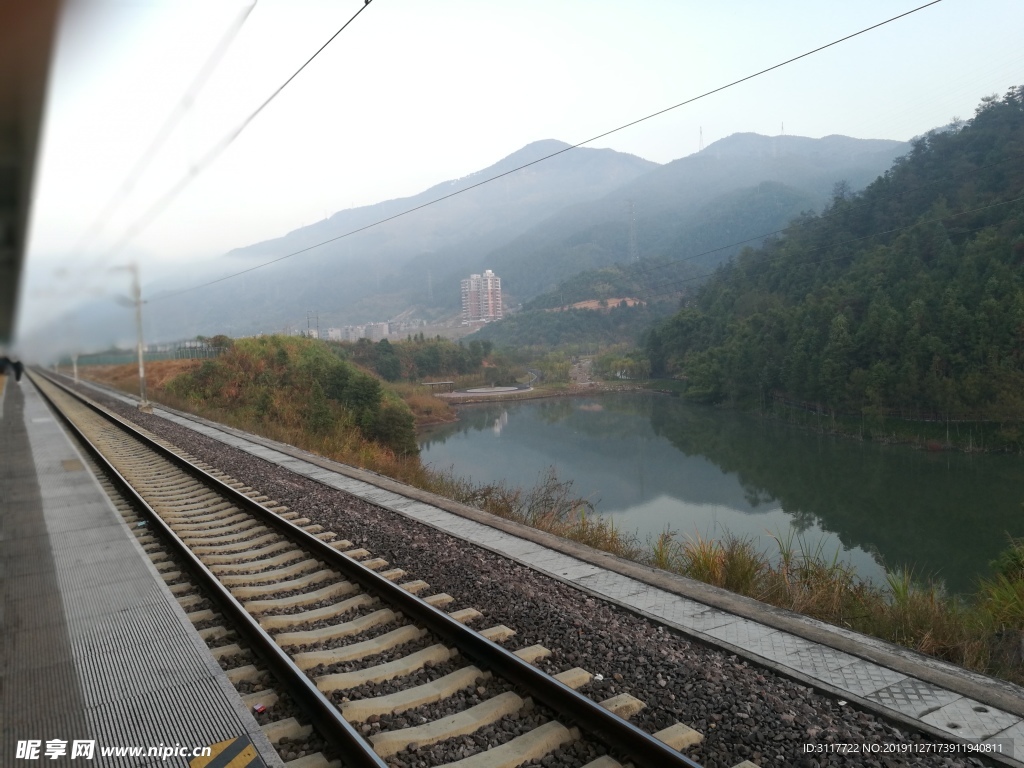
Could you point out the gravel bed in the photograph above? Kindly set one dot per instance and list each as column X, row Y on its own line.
column 251, row 568
column 240, row 561
column 216, row 621
column 290, row 610
column 265, row 682
column 253, row 534
column 428, row 674
column 342, row 642
column 284, row 594
column 243, row 658
column 293, row 750
column 460, row 747
column 461, row 700
column 744, row 712
column 202, row 605
column 354, row 613
column 392, row 654
column 228, row 638
column 282, row 709
column 254, row 583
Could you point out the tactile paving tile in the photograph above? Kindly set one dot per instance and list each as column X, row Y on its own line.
column 509, row 545
column 651, row 599
column 861, row 677
column 683, row 615
column 778, row 645
column 913, row 697
column 577, row 571
column 1011, row 739
column 970, row 719
column 742, row 633
column 817, row 660
column 612, row 585
column 553, row 562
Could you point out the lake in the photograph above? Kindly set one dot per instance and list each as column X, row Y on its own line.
column 652, row 462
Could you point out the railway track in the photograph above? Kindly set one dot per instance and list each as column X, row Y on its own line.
column 307, row 624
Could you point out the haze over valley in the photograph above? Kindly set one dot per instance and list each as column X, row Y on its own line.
column 536, row 228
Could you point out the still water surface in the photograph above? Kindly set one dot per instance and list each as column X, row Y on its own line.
column 652, row 462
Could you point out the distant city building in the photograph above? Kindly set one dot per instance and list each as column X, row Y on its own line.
column 334, row 334
column 377, row 331
column 481, row 298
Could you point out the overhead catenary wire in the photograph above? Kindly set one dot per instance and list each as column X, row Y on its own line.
column 577, row 145
column 141, row 222
column 164, row 132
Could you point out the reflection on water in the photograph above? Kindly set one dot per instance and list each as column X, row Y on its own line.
column 500, row 422
column 653, row 462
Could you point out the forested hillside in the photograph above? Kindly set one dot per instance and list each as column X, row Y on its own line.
column 906, row 299
column 739, row 187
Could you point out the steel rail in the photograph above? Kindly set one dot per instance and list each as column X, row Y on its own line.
column 618, row 734
column 324, row 714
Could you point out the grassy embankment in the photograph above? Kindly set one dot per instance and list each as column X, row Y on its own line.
column 298, row 392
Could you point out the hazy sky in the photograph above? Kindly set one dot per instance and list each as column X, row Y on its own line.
column 414, row 93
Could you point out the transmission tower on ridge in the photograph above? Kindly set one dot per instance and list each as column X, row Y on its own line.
column 634, row 251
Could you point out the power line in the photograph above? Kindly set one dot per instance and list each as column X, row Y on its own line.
column 175, row 117
column 154, row 210
column 554, row 154
column 846, row 242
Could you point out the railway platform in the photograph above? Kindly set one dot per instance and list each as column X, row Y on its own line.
column 100, row 666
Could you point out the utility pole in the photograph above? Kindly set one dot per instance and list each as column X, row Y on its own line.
column 144, row 404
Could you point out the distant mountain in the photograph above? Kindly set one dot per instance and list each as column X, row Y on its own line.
column 381, row 272
column 698, row 203
column 534, row 227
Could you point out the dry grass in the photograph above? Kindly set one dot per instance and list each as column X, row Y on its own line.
column 126, row 377
column 983, row 634
column 425, row 407
column 549, row 506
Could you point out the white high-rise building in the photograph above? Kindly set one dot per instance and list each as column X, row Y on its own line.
column 481, row 298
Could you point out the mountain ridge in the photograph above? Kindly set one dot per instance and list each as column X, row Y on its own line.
column 516, row 225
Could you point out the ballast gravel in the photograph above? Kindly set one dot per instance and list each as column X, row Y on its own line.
column 745, row 712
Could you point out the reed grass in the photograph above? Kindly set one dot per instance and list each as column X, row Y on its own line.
column 984, row 633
